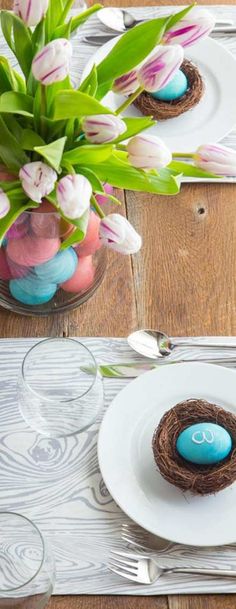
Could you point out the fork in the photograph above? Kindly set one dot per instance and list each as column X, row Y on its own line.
column 145, row 570
column 139, row 538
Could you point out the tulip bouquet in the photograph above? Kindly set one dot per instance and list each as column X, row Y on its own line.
column 62, row 150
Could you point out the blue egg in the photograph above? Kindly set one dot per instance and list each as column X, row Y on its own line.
column 31, row 290
column 60, row 268
column 204, row 443
column 175, row 88
column 3, row 242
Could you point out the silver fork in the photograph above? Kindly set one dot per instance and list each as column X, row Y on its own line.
column 139, row 538
column 146, row 570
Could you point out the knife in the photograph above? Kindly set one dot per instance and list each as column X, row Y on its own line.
column 103, row 38
column 135, row 369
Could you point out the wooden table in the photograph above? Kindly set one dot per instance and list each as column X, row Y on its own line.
column 183, row 281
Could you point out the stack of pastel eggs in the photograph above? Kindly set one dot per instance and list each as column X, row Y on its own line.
column 34, row 265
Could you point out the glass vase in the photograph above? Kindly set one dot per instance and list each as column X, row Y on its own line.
column 38, row 276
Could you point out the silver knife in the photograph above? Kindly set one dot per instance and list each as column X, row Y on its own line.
column 99, row 39
column 135, row 369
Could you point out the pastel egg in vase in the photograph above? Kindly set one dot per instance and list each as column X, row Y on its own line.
column 38, row 276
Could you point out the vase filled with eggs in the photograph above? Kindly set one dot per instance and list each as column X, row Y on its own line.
column 62, row 151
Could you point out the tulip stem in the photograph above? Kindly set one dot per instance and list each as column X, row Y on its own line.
column 129, row 100
column 183, row 155
column 69, row 168
column 43, row 110
column 97, row 207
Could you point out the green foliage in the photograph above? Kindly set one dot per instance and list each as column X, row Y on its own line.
column 19, row 39
column 52, row 153
column 74, row 104
column 38, row 122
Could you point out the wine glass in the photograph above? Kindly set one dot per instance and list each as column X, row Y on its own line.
column 27, row 571
column 60, row 389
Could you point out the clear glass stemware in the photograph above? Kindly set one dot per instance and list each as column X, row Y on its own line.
column 60, row 390
column 27, row 571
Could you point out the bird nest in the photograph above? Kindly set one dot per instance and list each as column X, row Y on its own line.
column 161, row 110
column 199, row 479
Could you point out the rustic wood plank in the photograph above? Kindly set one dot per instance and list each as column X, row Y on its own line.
column 109, row 602
column 184, row 275
column 217, row 601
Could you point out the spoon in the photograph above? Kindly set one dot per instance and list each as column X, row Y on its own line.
column 120, row 19
column 155, row 344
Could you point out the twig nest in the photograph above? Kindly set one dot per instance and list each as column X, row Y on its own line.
column 161, row 110
column 198, row 479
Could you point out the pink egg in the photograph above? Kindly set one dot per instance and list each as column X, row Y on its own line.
column 45, row 221
column 20, row 228
column 101, row 199
column 31, row 251
column 91, row 243
column 10, row 270
column 5, row 272
column 82, row 278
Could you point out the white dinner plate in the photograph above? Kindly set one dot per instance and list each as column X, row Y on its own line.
column 215, row 115
column 127, row 464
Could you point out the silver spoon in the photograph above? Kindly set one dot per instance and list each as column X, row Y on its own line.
column 155, row 344
column 119, row 20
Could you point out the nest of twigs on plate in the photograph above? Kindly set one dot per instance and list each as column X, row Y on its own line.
column 198, row 479
column 162, row 110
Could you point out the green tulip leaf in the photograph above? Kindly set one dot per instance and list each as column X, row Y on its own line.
column 19, row 39
column 190, row 170
column 53, row 152
column 135, row 126
column 82, row 17
column 173, row 19
column 88, row 154
column 90, row 84
column 74, row 104
column 18, row 206
column 11, row 151
column 30, row 139
column 96, row 184
column 79, row 233
column 16, row 103
column 120, row 174
column 131, row 49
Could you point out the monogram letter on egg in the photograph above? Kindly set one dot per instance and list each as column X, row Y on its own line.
column 204, row 443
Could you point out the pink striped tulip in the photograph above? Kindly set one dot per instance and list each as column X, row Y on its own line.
column 102, row 128
column 216, row 159
column 31, row 11
column 4, row 204
column 196, row 25
column 73, row 195
column 160, row 67
column 126, row 84
column 148, row 152
column 118, row 234
column 52, row 63
column 38, row 180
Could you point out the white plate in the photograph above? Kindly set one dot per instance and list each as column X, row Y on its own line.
column 212, row 118
column 127, row 464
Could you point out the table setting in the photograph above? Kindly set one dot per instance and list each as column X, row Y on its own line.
column 117, row 454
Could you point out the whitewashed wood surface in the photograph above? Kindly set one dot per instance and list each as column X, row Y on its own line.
column 57, row 483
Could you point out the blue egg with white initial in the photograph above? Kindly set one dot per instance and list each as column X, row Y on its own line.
column 204, row 443
column 60, row 268
column 175, row 89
